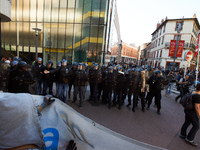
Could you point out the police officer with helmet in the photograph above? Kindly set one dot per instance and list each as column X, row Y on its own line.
column 20, row 79
column 81, row 78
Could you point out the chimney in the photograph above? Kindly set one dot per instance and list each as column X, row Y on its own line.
column 158, row 24
column 194, row 16
column 162, row 21
column 166, row 18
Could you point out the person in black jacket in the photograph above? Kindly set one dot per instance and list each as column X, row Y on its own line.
column 131, row 84
column 72, row 77
column 63, row 81
column 48, row 78
column 81, row 78
column 192, row 117
column 121, row 79
column 95, row 79
column 37, row 71
column 20, row 79
column 155, row 83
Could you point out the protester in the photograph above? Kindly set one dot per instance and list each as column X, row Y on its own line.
column 192, row 117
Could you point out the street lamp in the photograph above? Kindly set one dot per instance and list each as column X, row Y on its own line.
column 37, row 30
column 178, row 29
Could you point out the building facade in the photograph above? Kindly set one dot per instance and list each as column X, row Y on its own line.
column 76, row 30
column 164, row 33
column 129, row 53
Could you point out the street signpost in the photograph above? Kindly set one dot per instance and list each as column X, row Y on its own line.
column 187, row 57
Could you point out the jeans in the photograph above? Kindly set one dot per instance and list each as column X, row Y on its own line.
column 39, row 87
column 168, row 90
column 62, row 92
column 190, row 118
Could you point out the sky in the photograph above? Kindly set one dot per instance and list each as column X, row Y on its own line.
column 138, row 18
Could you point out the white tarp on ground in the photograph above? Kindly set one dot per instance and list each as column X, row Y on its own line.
column 60, row 123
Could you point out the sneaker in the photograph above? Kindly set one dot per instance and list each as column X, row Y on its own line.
column 190, row 142
column 128, row 105
column 133, row 109
column 182, row 136
column 147, row 108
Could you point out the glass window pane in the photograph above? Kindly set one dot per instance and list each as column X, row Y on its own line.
column 40, row 10
column 70, row 11
column 47, row 11
column 19, row 6
column 13, row 33
column 40, row 35
column 33, row 10
column 13, row 10
column 5, row 33
column 46, row 34
column 54, row 32
column 26, row 10
column 69, row 36
column 87, row 11
column 32, row 34
column 62, row 15
column 54, row 12
column 26, row 33
column 79, row 11
column 61, row 38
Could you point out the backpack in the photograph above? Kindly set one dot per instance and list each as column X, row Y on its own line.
column 186, row 101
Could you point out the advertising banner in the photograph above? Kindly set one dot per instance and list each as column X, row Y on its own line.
column 180, row 48
column 172, row 48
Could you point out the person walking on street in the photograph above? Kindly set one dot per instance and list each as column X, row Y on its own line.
column 192, row 117
column 170, row 77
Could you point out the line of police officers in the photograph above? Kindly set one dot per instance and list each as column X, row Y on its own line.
column 110, row 83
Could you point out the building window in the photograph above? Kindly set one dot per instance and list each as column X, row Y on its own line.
column 159, row 42
column 163, row 40
column 161, row 53
column 160, row 31
column 164, row 29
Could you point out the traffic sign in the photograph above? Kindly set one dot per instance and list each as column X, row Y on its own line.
column 188, row 55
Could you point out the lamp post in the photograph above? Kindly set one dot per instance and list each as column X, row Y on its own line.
column 37, row 30
column 178, row 29
column 0, row 40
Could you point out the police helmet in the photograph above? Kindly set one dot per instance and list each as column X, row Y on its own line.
column 85, row 64
column 75, row 64
column 110, row 68
column 22, row 64
column 17, row 58
column 14, row 63
column 157, row 72
column 59, row 64
column 96, row 64
column 50, row 62
column 104, row 66
column 110, row 64
column 39, row 59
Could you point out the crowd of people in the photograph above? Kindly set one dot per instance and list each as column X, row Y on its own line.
column 109, row 84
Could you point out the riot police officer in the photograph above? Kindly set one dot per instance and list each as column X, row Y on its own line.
column 20, row 79
column 121, row 79
column 37, row 71
column 81, row 78
column 131, row 84
column 95, row 79
column 48, row 78
column 110, row 80
column 155, row 83
column 63, row 81
column 72, row 77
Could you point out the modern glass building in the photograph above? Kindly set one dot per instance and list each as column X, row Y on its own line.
column 77, row 30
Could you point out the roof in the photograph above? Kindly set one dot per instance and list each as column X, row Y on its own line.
column 195, row 19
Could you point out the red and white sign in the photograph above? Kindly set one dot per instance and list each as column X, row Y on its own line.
column 197, row 46
column 172, row 48
column 188, row 55
column 180, row 48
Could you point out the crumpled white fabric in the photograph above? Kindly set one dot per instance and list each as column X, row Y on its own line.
column 19, row 122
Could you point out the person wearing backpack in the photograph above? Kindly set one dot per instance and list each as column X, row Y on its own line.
column 184, row 87
column 192, row 116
